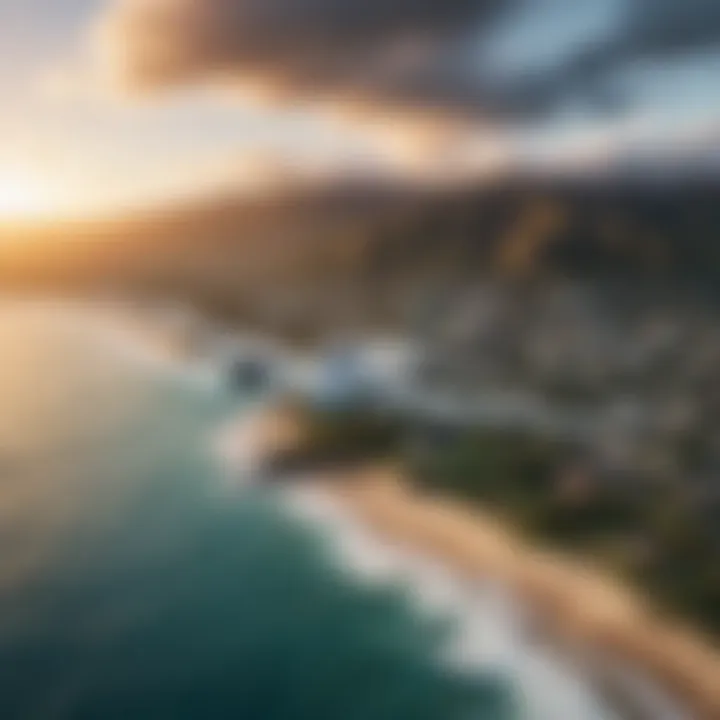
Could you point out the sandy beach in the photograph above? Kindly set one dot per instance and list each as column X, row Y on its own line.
column 577, row 604
column 630, row 652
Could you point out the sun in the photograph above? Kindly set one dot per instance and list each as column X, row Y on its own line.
column 21, row 196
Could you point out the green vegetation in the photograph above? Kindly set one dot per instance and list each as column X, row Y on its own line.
column 342, row 436
column 652, row 533
column 602, row 300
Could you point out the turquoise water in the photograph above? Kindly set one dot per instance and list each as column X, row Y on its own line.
column 134, row 586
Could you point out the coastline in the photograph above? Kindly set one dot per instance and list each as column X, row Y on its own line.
column 646, row 665
column 588, row 614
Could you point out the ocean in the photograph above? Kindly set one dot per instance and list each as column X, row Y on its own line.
column 138, row 581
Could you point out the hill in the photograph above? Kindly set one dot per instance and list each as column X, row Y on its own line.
column 378, row 252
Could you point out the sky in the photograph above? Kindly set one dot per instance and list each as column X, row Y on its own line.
column 109, row 104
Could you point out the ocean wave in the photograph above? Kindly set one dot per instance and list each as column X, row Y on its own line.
column 490, row 625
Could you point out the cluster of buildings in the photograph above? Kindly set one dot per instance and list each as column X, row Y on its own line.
column 635, row 379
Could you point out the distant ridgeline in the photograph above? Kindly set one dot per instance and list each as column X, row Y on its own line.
column 378, row 250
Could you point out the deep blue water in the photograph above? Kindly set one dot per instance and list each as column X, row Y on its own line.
column 134, row 586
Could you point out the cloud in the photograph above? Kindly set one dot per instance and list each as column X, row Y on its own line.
column 416, row 56
column 403, row 53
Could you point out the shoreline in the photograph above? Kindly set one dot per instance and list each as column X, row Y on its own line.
column 489, row 629
column 619, row 637
column 645, row 664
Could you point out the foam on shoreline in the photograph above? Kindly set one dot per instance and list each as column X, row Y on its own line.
column 490, row 625
column 556, row 628
column 640, row 662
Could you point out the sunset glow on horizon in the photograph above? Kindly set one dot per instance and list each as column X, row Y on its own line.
column 378, row 87
column 24, row 197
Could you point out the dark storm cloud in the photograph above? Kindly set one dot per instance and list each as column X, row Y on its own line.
column 413, row 54
column 406, row 53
